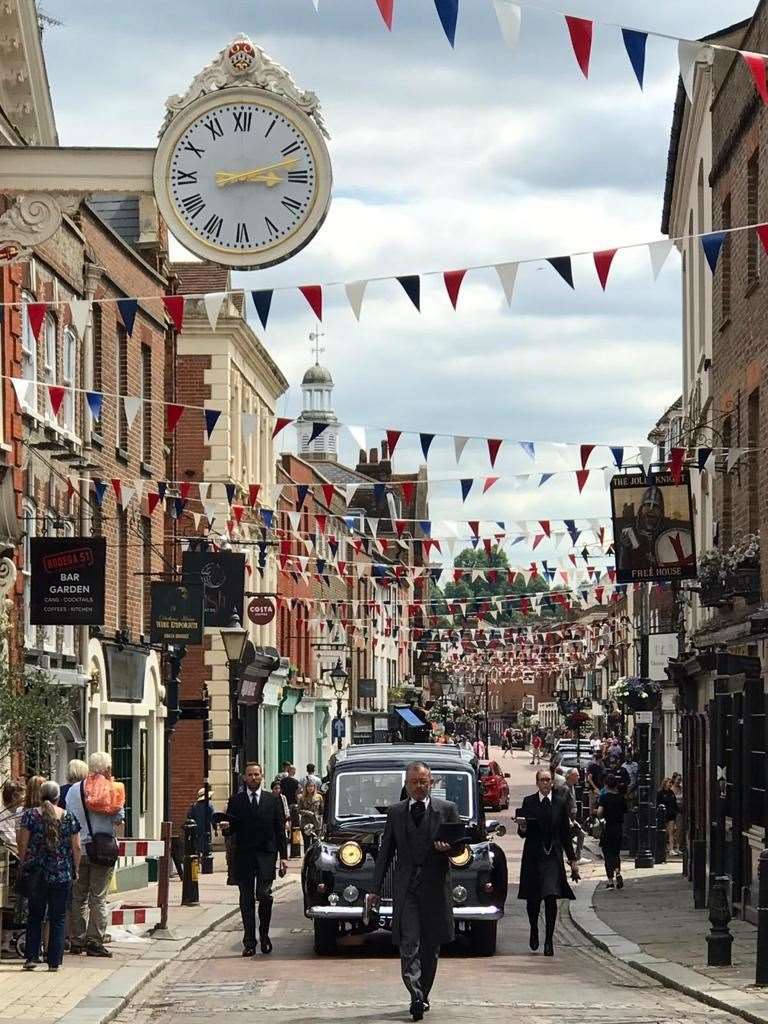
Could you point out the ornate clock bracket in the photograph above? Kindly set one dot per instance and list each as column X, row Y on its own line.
column 32, row 219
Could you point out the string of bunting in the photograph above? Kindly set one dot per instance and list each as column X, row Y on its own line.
column 506, row 271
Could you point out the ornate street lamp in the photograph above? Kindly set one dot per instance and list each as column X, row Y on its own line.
column 339, row 679
column 234, row 636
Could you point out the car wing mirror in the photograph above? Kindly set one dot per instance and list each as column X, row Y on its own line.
column 495, row 828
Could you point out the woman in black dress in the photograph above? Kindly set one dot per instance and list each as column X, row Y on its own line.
column 611, row 809
column 544, row 823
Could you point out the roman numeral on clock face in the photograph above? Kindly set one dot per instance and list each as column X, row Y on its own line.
column 214, row 127
column 298, row 177
column 213, row 225
column 242, row 120
column 190, row 147
column 294, row 147
column 193, row 204
column 186, row 177
column 270, row 227
column 290, row 204
column 241, row 234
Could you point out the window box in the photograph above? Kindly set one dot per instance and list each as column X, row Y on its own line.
column 744, row 582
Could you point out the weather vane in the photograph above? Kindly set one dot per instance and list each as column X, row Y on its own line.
column 316, row 349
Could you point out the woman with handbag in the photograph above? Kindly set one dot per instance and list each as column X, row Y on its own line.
column 49, row 852
column 610, row 812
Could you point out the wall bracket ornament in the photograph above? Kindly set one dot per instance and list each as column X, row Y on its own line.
column 242, row 63
column 32, row 219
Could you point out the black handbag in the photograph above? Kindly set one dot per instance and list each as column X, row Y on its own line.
column 102, row 849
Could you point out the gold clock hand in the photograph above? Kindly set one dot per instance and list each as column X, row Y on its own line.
column 229, row 177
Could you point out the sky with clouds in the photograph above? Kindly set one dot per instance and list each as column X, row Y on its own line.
column 442, row 159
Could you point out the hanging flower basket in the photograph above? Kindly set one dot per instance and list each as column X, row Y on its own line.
column 576, row 720
column 641, row 694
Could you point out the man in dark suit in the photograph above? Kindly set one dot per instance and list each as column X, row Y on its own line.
column 256, row 821
column 422, row 918
column 545, row 823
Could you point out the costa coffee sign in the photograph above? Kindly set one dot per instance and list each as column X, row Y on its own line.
column 261, row 610
column 67, row 581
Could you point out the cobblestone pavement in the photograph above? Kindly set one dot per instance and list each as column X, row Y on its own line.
column 211, row 981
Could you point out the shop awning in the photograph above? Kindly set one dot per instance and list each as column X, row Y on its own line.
column 410, row 717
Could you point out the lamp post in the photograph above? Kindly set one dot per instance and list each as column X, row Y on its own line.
column 175, row 654
column 339, row 679
column 234, row 636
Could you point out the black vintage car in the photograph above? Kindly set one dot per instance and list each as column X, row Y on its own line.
column 338, row 868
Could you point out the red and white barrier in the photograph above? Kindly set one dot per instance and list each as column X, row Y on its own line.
column 135, row 915
column 141, row 847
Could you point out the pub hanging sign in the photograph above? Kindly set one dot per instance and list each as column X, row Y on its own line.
column 67, row 581
column 177, row 613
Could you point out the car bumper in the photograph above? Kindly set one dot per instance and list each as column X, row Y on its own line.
column 339, row 913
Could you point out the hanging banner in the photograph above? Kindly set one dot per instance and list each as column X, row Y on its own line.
column 177, row 613
column 67, row 581
column 222, row 573
column 652, row 527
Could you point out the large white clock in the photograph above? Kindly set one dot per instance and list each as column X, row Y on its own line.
column 242, row 177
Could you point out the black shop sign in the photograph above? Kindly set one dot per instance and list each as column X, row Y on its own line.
column 67, row 581
column 177, row 613
column 222, row 573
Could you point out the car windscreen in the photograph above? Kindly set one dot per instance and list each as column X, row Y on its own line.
column 362, row 794
column 483, row 770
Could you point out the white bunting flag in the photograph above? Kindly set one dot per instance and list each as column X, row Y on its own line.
column 209, row 511
column 196, row 520
column 295, row 520
column 349, row 493
column 22, row 388
column 126, row 493
column 139, row 487
column 248, row 421
column 509, row 17
column 646, row 458
column 373, row 525
column 355, row 291
column 205, row 490
column 659, row 251
column 213, row 302
column 734, row 454
column 608, row 474
column 131, row 407
column 358, row 436
column 277, row 493
column 507, row 275
column 459, row 444
column 79, row 310
column 689, row 52
column 392, row 507
column 711, row 464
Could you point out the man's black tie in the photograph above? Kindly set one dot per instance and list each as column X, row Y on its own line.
column 417, row 812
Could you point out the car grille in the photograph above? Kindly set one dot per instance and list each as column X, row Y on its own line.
column 387, row 887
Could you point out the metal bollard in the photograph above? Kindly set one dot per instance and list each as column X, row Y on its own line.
column 719, row 940
column 761, row 964
column 190, row 890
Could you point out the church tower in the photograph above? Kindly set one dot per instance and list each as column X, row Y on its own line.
column 317, row 426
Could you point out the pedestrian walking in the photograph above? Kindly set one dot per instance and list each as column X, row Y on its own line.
column 10, row 814
column 478, row 748
column 32, row 793
column 256, row 821
column 577, row 832
column 311, row 776
column 76, row 771
column 310, row 808
column 275, row 787
column 536, row 749
column 289, row 784
column 544, row 824
column 202, row 814
column 666, row 798
column 49, row 853
column 422, row 917
column 611, row 810
column 97, row 803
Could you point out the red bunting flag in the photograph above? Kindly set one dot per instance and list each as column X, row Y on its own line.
column 173, row 414
column 756, row 64
column 56, row 397
column 603, row 261
column 489, row 482
column 184, row 488
column 253, row 493
column 118, row 491
column 494, row 443
column 545, row 525
column 313, row 293
column 586, row 451
column 36, row 316
column 580, row 31
column 399, row 527
column 453, row 279
column 237, row 512
column 409, row 489
column 581, row 478
column 153, row 500
column 457, row 574
column 387, row 9
column 280, row 424
column 676, row 457
column 393, row 436
column 174, row 305
column 525, row 605
column 474, row 525
column 327, row 490
column 599, row 594
column 70, row 487
column 762, row 234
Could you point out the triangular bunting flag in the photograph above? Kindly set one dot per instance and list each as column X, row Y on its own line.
column 459, row 444
column 127, row 495
column 580, row 31
column 79, row 312
column 162, row 486
column 386, row 9
column 358, row 436
column 453, row 279
column 509, row 17
column 211, row 419
column 581, row 478
column 702, row 456
column 618, row 456
column 95, row 402
column 317, row 430
column 393, row 436
column 267, row 517
column 262, row 302
column 412, row 287
column 280, row 424
column 213, row 302
column 585, row 450
column 100, row 489
column 328, row 490
column 130, row 408
column 55, row 397
column 313, row 293
column 562, row 264
column 494, row 443
column 229, row 490
column 426, row 441
column 507, row 275
column 688, row 53
column 22, row 388
column 408, row 487
column 529, row 448
column 544, row 478
column 448, row 13
column 603, row 260
column 712, row 244
column 659, row 251
column 253, row 494
column 676, row 457
column 489, row 482
column 762, row 234
column 355, row 291
column 734, row 454
column 117, row 487
column 466, row 487
column 174, row 305
column 173, row 414
column 127, row 310
column 646, row 458
column 36, row 316
column 301, row 495
column 634, row 44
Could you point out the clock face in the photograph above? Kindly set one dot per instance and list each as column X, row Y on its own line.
column 244, row 182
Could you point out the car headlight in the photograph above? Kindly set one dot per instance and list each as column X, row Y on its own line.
column 351, row 855
column 459, row 894
column 351, row 893
column 460, row 860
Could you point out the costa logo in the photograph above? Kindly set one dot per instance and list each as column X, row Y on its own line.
column 261, row 610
